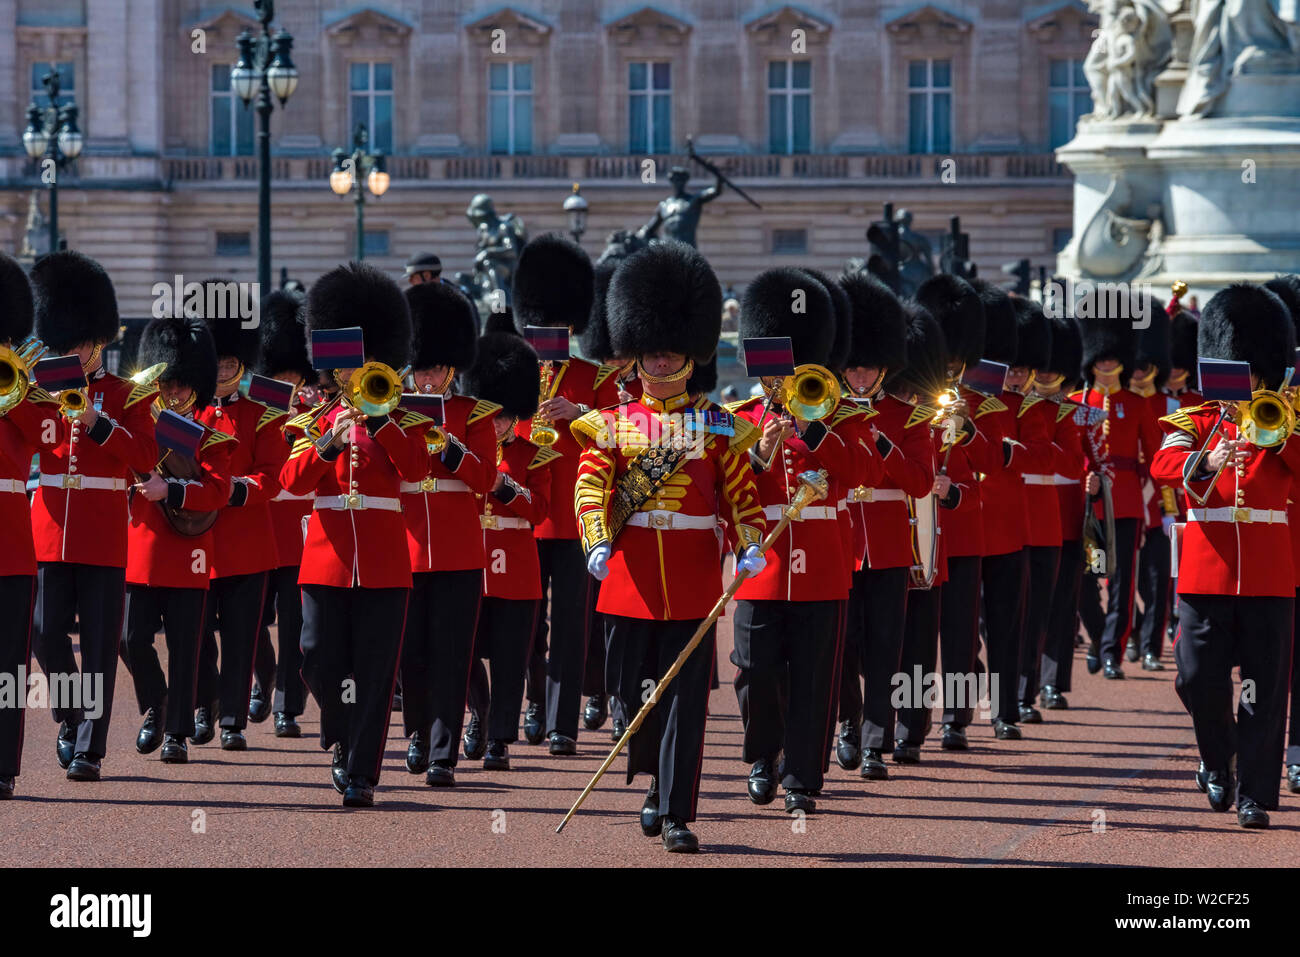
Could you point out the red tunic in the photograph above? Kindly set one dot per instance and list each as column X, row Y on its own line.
column 511, row 569
column 657, row 570
column 1072, row 464
column 1128, row 440
column 21, row 432
column 244, row 539
column 160, row 557
column 88, row 525
column 1028, row 440
column 1042, row 504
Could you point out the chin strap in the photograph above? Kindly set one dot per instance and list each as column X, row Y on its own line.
column 680, row 375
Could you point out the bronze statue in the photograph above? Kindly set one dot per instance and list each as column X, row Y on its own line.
column 498, row 242
column 679, row 214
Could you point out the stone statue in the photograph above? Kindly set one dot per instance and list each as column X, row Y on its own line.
column 1233, row 37
column 498, row 242
column 917, row 260
column 679, row 215
column 1132, row 45
column 36, row 233
column 1114, row 243
column 621, row 244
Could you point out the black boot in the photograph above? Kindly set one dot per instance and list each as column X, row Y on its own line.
column 847, row 750
column 286, row 726
column 954, row 738
column 873, row 765
column 762, row 781
column 259, row 705
column 473, row 739
column 678, row 838
column 174, row 750
column 339, row 768
column 595, row 712
column 1052, row 699
column 65, row 744
column 534, row 726
column 203, row 727
column 497, row 757
column 417, row 752
column 651, row 822
column 150, row 736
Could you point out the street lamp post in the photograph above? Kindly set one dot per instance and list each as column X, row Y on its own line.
column 52, row 133
column 575, row 207
column 264, row 67
column 359, row 171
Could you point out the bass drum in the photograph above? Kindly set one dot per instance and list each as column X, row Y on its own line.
column 924, row 520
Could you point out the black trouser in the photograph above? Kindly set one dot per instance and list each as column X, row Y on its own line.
column 1293, row 732
column 785, row 652
column 93, row 594
column 1005, row 579
column 179, row 612
column 1153, row 586
column 1120, row 590
column 670, row 742
column 1063, row 618
column 436, row 657
column 504, row 636
column 353, row 633
column 17, row 597
column 1091, row 615
column 837, row 680
column 1044, row 563
column 235, row 607
column 959, row 636
column 1256, row 634
column 282, row 671
column 564, row 573
column 877, row 615
column 920, row 651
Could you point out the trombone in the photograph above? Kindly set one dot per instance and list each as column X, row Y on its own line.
column 1265, row 421
column 374, row 389
column 811, row 394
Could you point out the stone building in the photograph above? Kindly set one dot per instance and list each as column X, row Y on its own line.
column 821, row 110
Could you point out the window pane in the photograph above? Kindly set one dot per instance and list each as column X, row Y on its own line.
column 221, row 125
column 663, row 117
column 802, row 75
column 776, row 139
column 1082, row 104
column 1079, row 78
column 917, row 75
column 1059, row 118
column 662, row 76
column 383, row 76
column 234, row 244
column 636, row 124
column 381, row 137
column 499, row 76
column 220, row 78
column 942, row 73
column 38, row 76
column 636, row 76
column 524, row 76
column 68, row 76
column 942, row 122
column 916, row 127
column 802, row 123
column 789, row 242
column 523, row 124
column 1059, row 73
column 376, row 242
column 360, row 112
column 243, row 128
column 776, row 75
column 360, row 76
column 499, row 124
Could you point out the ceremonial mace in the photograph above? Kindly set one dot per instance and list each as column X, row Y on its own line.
column 812, row 487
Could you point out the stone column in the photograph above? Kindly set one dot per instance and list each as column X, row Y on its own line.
column 13, row 104
column 110, row 46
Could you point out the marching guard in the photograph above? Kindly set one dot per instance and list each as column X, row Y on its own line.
column 171, row 550
column 79, row 511
column 648, row 507
column 356, row 577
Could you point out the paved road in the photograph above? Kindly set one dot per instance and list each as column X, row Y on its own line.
column 1107, row 782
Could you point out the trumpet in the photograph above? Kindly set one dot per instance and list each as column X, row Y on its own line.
column 15, row 371
column 1265, row 421
column 72, row 403
column 543, row 433
column 435, row 440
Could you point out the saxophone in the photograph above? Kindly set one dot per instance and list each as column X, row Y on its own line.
column 543, row 433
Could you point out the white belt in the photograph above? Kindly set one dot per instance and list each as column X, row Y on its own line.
column 842, row 505
column 665, row 521
column 1264, row 516
column 773, row 513
column 84, row 482
column 863, row 494
column 1063, row 480
column 434, row 485
column 13, row 485
column 495, row 522
column 356, row 502
column 284, row 495
column 1039, row 479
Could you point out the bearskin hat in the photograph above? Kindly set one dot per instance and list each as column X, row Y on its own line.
column 957, row 307
column 554, row 284
column 843, row 312
column 1153, row 347
column 503, row 321
column 1252, row 324
column 443, row 320
column 506, row 371
column 185, row 344
column 1182, row 342
column 1033, row 335
column 1287, row 289
column 879, row 336
column 75, row 301
column 664, row 298
column 1067, row 349
column 1109, row 337
column 926, row 371
column 17, row 311
column 704, row 378
column 768, row 309
column 595, row 338
column 358, row 294
column 284, row 336
column 1001, row 333
column 218, row 305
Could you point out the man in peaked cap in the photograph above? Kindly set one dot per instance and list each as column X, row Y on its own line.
column 1119, row 440
column 554, row 286
column 355, row 578
column 168, row 572
column 423, row 268
column 1236, row 578
column 656, row 551
column 244, row 547
column 444, row 538
column 787, row 622
column 79, row 511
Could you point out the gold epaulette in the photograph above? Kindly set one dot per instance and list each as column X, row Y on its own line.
column 1181, row 419
column 138, row 393
column 39, row 396
column 269, row 416
column 302, row 421
column 544, row 457
column 1067, row 408
column 1031, row 400
column 745, row 437
column 991, row 404
column 482, row 409
column 734, row 407
column 588, row 428
column 410, row 420
column 603, row 372
column 302, row 445
column 920, row 413
column 848, row 409
column 216, row 438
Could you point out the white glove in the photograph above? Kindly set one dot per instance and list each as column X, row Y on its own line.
column 1167, row 524
column 598, row 562
column 751, row 560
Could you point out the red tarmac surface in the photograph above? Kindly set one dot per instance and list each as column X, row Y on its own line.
column 1107, row 782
